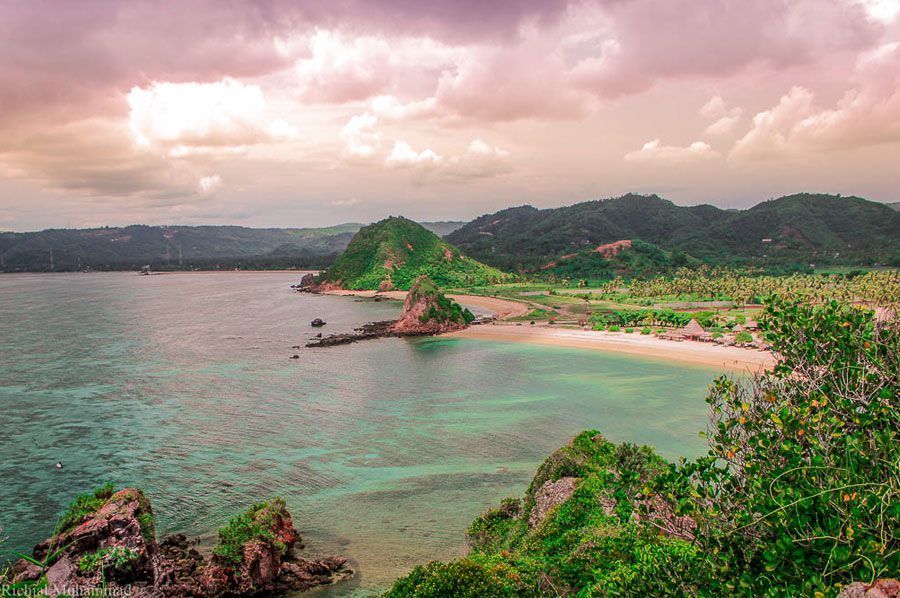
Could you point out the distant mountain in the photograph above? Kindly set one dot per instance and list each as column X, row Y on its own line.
column 796, row 228
column 163, row 247
column 393, row 253
column 442, row 228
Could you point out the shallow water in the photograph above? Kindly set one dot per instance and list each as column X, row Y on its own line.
column 384, row 451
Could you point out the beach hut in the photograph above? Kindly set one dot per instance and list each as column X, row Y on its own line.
column 694, row 330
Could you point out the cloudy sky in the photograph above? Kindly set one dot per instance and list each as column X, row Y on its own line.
column 283, row 113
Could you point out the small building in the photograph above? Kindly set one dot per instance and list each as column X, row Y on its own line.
column 694, row 331
column 751, row 325
column 737, row 328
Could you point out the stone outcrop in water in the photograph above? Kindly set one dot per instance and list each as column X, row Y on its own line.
column 109, row 542
column 426, row 311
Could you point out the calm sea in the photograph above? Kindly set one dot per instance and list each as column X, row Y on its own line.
column 182, row 385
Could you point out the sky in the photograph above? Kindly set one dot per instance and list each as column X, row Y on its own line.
column 284, row 113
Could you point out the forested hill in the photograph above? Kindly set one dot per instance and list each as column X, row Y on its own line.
column 796, row 228
column 164, row 247
column 395, row 252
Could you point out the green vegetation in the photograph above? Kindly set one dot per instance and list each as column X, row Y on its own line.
column 590, row 266
column 799, row 493
column 118, row 558
column 255, row 524
column 780, row 235
column 441, row 308
column 743, row 337
column 84, row 506
column 742, row 287
column 393, row 253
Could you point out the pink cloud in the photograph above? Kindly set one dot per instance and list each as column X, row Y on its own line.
column 867, row 114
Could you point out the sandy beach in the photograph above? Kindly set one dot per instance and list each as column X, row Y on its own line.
column 707, row 354
column 692, row 352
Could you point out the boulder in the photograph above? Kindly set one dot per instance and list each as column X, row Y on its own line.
column 117, row 540
column 317, row 323
column 267, row 563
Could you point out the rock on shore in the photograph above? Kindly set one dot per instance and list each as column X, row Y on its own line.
column 114, row 546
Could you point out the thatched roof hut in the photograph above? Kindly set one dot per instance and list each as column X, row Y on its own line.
column 751, row 325
column 737, row 328
column 694, row 330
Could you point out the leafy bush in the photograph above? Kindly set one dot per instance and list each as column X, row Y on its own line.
column 84, row 506
column 613, row 328
column 743, row 337
column 800, row 491
column 465, row 578
column 255, row 524
column 117, row 557
column 646, row 330
column 629, row 330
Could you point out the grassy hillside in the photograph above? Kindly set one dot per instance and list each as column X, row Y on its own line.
column 171, row 247
column 394, row 252
column 798, row 228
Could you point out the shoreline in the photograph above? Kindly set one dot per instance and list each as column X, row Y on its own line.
column 692, row 352
column 735, row 359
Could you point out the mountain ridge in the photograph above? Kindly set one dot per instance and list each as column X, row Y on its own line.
column 798, row 228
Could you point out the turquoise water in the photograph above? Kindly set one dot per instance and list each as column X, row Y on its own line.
column 384, row 451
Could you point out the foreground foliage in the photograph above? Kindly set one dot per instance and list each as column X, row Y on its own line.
column 799, row 493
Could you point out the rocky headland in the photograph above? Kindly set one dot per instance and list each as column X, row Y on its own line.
column 426, row 311
column 107, row 542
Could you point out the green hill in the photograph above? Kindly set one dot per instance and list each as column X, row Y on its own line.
column 794, row 229
column 392, row 253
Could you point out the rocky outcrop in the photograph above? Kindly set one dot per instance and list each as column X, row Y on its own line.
column 428, row 311
column 550, row 495
column 116, row 543
column 114, row 546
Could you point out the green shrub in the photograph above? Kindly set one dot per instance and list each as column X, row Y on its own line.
column 613, row 328
column 84, row 506
column 646, row 330
column 743, row 337
column 255, row 524
column 464, row 578
column 629, row 330
column 118, row 557
column 804, row 461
